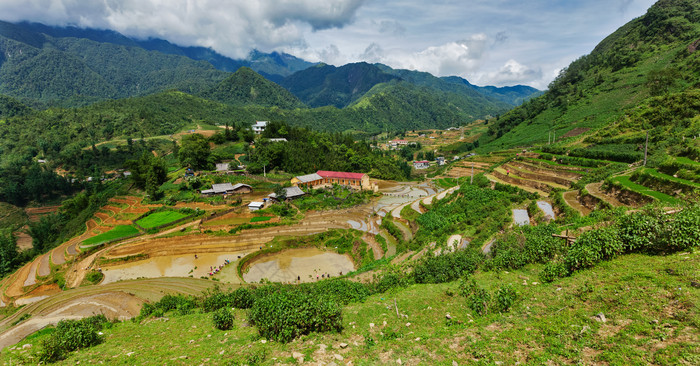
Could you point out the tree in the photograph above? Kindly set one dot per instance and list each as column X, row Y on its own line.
column 195, row 152
column 8, row 253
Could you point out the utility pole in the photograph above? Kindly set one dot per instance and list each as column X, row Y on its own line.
column 646, row 145
column 264, row 171
column 471, row 180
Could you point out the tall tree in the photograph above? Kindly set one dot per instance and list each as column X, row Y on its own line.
column 195, row 152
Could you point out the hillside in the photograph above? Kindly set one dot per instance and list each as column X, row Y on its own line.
column 643, row 77
column 347, row 85
column 327, row 85
column 273, row 64
column 10, row 107
column 245, row 86
column 71, row 67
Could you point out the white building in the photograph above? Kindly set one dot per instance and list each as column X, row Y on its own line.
column 259, row 127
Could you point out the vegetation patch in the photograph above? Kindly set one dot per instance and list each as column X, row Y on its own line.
column 118, row 232
column 261, row 218
column 160, row 218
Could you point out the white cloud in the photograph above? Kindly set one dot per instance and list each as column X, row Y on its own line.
column 513, row 72
column 232, row 27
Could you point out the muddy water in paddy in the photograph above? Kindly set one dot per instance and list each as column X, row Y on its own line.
column 171, row 266
column 306, row 263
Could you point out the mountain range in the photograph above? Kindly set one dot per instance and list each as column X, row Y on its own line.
column 67, row 66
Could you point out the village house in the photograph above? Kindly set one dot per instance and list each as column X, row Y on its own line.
column 397, row 144
column 227, row 188
column 290, row 193
column 255, row 205
column 421, row 164
column 259, row 127
column 308, row 180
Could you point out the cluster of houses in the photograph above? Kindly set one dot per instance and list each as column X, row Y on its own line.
column 320, row 179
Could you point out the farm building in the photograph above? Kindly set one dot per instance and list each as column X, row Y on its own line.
column 421, row 164
column 290, row 192
column 254, row 206
column 325, row 177
column 227, row 188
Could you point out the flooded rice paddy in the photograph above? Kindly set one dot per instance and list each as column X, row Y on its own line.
column 306, row 264
column 175, row 266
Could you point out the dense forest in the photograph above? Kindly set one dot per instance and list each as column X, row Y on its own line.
column 307, row 151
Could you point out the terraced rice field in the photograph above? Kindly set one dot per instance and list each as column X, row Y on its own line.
column 120, row 300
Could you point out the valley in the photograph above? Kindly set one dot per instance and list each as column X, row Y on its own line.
column 270, row 210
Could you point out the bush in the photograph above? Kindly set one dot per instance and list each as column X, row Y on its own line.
column 553, row 270
column 288, row 313
column 505, row 298
column 592, row 247
column 392, row 279
column 683, row 232
column 71, row 335
column 639, row 231
column 478, row 301
column 223, row 319
column 446, row 267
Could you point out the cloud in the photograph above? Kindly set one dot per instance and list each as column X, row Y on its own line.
column 232, row 27
column 513, row 72
column 453, row 58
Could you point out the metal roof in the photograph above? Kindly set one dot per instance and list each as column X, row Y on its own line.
column 309, row 178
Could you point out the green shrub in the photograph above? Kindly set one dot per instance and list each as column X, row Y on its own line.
column 553, row 270
column 223, row 319
column 288, row 313
column 71, row 335
column 447, row 267
column 467, row 286
column 505, row 298
column 478, row 301
column 640, row 231
column 592, row 247
column 683, row 232
column 391, row 279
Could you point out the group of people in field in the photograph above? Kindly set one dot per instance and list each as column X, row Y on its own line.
column 214, row 270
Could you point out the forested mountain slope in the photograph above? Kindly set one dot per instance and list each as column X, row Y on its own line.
column 245, row 86
column 643, row 77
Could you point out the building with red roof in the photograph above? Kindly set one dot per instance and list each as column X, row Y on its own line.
column 326, row 177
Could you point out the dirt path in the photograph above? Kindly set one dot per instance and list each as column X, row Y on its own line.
column 594, row 190
column 571, row 199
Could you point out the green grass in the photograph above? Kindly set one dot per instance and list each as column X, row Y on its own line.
column 684, row 160
column 662, row 176
column 446, row 182
column 652, row 317
column 625, row 181
column 159, row 218
column 11, row 217
column 118, row 232
column 260, row 218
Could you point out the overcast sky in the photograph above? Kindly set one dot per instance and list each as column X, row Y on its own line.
column 488, row 42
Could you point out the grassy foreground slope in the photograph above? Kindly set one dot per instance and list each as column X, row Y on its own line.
column 649, row 307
